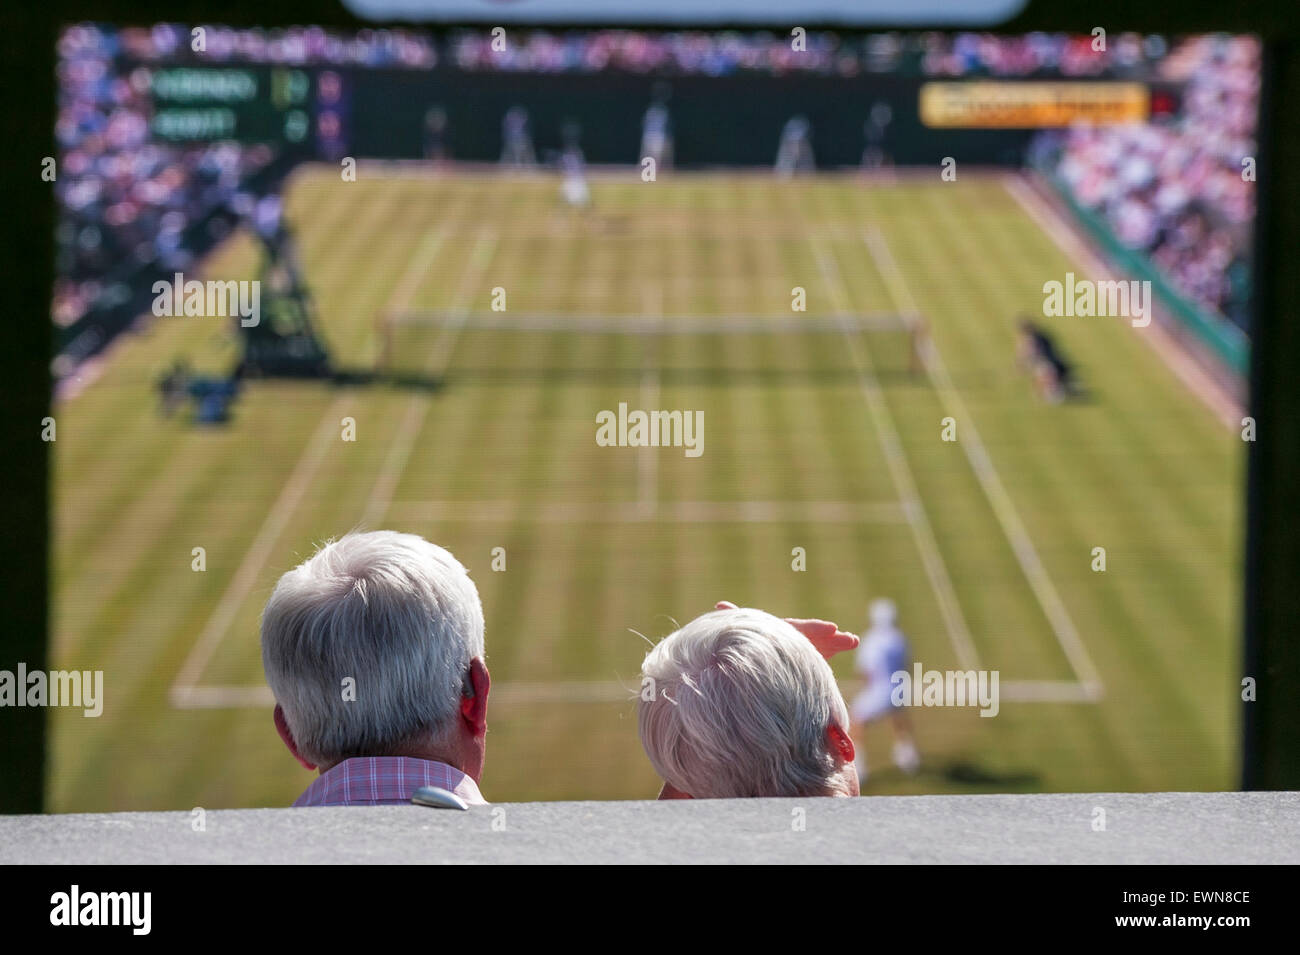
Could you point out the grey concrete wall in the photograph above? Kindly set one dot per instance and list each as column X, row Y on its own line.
column 1139, row 828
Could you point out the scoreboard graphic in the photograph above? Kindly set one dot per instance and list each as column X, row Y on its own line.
column 247, row 104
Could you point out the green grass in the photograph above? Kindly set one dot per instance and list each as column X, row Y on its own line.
column 503, row 455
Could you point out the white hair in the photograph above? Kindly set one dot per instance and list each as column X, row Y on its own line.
column 398, row 615
column 739, row 706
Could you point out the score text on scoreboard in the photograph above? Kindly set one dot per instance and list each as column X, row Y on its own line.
column 245, row 104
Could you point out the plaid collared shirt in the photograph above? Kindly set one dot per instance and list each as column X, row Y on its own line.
column 385, row 781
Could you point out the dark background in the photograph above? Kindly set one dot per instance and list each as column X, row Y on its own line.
column 609, row 107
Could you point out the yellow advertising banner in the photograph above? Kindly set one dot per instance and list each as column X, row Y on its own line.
column 984, row 104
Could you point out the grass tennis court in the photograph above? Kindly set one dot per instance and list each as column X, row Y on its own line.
column 818, row 438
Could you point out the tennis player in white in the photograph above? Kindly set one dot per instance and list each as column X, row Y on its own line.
column 882, row 653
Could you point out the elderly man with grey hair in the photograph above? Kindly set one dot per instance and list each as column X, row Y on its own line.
column 373, row 648
column 741, row 703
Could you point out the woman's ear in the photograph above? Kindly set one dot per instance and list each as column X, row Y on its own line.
column 839, row 743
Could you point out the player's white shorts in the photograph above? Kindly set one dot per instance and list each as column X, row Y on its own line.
column 872, row 703
column 575, row 192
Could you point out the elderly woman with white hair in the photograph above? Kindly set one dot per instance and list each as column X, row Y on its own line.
column 373, row 648
column 741, row 703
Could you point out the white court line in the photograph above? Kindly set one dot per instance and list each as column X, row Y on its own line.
column 259, row 551
column 399, row 451
column 415, row 271
column 186, row 694
column 673, row 512
column 1045, row 691
column 1014, row 529
column 256, row 556
column 656, row 323
column 566, row 692
column 1226, row 408
column 501, row 694
column 892, row 446
column 647, row 483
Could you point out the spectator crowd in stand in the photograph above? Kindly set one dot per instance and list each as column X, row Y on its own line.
column 1183, row 191
column 1173, row 190
column 125, row 199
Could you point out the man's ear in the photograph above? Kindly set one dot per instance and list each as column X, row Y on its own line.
column 839, row 743
column 282, row 727
column 474, row 698
column 670, row 792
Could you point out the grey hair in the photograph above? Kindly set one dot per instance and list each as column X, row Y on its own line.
column 397, row 614
column 739, row 706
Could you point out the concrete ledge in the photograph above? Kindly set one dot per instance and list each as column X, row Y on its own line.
column 1156, row 828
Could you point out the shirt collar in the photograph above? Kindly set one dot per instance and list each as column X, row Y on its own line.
column 385, row 781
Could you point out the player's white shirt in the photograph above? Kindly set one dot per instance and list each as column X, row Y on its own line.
column 654, row 133
column 574, row 182
column 881, row 654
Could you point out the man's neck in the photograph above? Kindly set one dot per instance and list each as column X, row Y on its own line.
column 429, row 753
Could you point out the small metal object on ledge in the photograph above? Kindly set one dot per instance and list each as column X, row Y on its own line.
column 437, row 798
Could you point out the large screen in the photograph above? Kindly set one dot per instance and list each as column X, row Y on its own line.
column 941, row 337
